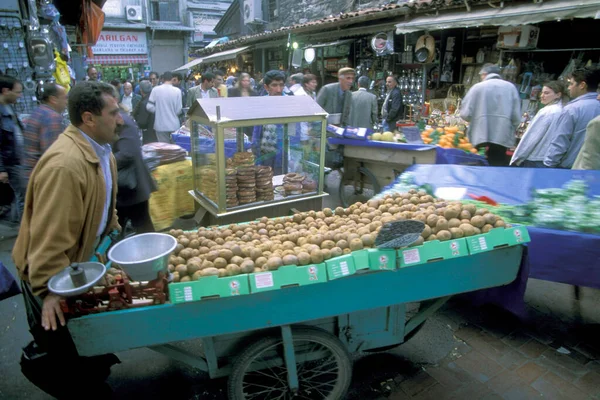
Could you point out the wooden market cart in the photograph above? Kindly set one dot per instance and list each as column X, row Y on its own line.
column 296, row 341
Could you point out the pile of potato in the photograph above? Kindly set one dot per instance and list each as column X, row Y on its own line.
column 315, row 236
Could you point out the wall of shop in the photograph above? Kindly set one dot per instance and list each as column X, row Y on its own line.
column 168, row 50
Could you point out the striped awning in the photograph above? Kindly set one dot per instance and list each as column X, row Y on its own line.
column 117, row 60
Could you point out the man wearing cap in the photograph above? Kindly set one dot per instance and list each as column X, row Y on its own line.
column 336, row 98
column 493, row 108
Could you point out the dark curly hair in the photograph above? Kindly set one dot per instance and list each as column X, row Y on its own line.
column 273, row 75
column 589, row 75
column 87, row 97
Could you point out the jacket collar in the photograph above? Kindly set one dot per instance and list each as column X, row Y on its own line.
column 587, row 96
column 492, row 76
column 86, row 148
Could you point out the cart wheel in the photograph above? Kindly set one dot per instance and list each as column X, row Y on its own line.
column 361, row 187
column 323, row 365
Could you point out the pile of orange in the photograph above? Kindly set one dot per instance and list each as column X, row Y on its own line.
column 449, row 137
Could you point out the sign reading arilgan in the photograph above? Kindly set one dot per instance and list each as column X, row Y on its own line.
column 121, row 42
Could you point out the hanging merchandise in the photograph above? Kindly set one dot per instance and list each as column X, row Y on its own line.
column 61, row 73
column 425, row 49
column 449, row 59
column 90, row 25
column 383, row 43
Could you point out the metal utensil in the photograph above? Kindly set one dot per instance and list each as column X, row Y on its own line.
column 76, row 279
column 394, row 235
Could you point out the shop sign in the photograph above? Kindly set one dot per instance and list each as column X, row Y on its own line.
column 121, row 42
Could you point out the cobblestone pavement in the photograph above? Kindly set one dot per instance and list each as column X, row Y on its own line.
column 498, row 357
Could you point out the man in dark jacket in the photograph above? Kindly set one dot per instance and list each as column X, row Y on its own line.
column 143, row 117
column 336, row 98
column 11, row 131
column 134, row 180
column 392, row 106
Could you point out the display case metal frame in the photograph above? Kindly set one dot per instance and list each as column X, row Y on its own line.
column 223, row 113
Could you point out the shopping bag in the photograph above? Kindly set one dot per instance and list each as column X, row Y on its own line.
column 8, row 284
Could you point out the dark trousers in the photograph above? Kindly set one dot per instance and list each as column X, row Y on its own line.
column 496, row 155
column 532, row 164
column 51, row 361
column 15, row 180
column 138, row 215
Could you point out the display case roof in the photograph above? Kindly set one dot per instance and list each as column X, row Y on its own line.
column 249, row 108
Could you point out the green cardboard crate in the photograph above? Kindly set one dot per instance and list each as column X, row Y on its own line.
column 287, row 276
column 341, row 266
column 209, row 287
column 382, row 259
column 433, row 251
column 361, row 259
column 498, row 237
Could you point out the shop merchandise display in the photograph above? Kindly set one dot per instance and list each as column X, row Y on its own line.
column 449, row 137
column 567, row 208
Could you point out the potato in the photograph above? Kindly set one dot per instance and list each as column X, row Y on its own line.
column 342, row 244
column 336, row 252
column 487, row 227
column 467, row 229
column 454, row 223
column 451, row 212
column 248, row 266
column 500, row 224
column 181, row 269
column 194, row 267
column 175, row 276
column 326, row 254
column 233, row 269
column 443, row 235
column 255, row 253
column 274, row 263
column 211, row 255
column 196, row 275
column 466, row 214
column 328, row 244
column 207, row 264
column 456, row 233
column 481, row 211
column 194, row 244
column 220, row 262
column 427, row 231
column 237, row 260
column 356, row 244
column 222, row 272
column 441, row 225
column 260, row 261
column 170, row 268
column 490, row 218
column 430, row 238
column 185, row 279
column 418, row 242
column 290, row 259
column 432, row 220
column 478, row 221
column 209, row 272
column 316, row 256
column 184, row 241
column 367, row 240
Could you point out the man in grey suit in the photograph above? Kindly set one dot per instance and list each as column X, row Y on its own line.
column 336, row 98
column 363, row 112
column 203, row 91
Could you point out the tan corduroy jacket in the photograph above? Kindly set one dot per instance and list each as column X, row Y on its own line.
column 63, row 210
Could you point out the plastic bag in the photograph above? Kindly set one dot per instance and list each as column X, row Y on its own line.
column 61, row 73
column 8, row 284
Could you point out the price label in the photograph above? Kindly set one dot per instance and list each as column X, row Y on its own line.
column 344, row 268
column 411, row 256
column 264, row 280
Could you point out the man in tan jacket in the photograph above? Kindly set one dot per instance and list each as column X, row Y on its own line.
column 69, row 207
column 589, row 155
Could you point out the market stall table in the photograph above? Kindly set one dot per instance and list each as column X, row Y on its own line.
column 370, row 165
column 554, row 255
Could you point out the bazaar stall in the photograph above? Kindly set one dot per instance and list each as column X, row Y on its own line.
column 284, row 170
column 253, row 292
column 559, row 206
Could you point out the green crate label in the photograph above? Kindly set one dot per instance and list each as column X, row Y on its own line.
column 263, row 280
column 313, row 270
column 518, row 235
column 383, row 261
column 455, row 247
column 411, row 256
column 480, row 244
column 344, row 268
column 235, row 285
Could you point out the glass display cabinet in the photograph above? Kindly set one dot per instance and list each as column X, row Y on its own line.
column 257, row 156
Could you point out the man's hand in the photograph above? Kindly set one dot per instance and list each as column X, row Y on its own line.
column 51, row 310
column 3, row 177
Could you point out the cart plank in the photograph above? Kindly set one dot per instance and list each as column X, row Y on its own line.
column 147, row 326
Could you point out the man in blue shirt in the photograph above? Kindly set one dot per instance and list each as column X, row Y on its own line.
column 568, row 130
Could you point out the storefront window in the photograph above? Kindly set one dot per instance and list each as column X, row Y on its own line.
column 165, row 10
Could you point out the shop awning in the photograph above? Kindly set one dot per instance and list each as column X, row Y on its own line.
column 189, row 65
column 336, row 43
column 117, row 60
column 512, row 15
column 225, row 55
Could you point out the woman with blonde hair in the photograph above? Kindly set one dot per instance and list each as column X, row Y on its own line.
column 243, row 88
column 532, row 149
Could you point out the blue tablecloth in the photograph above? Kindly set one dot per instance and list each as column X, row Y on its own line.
column 442, row 156
column 554, row 255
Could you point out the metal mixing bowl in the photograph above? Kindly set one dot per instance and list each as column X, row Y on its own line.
column 143, row 256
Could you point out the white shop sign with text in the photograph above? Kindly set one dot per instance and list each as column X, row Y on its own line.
column 121, row 42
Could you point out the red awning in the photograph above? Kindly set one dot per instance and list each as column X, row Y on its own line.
column 117, row 60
